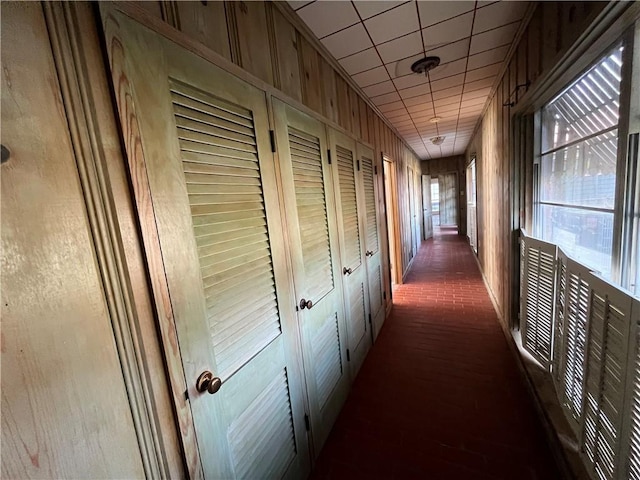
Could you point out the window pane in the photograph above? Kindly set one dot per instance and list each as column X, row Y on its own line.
column 588, row 106
column 584, row 235
column 583, row 174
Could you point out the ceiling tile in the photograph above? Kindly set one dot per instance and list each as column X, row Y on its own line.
column 419, row 100
column 325, row 18
column 472, row 102
column 371, row 8
column 415, row 91
column 451, row 52
column 401, row 47
column 479, row 84
column 453, row 81
column 386, row 98
column 498, row 14
column 447, row 92
column 393, row 23
column 447, row 32
column 410, row 81
column 360, row 62
column 375, row 75
column 448, row 69
column 418, row 109
column 298, row 4
column 392, row 107
column 483, row 72
column 397, row 114
column 441, row 102
column 436, row 12
column 487, row 58
column 379, row 89
column 348, row 41
column 476, row 94
column 493, row 38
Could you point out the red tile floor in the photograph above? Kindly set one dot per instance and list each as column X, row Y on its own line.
column 439, row 395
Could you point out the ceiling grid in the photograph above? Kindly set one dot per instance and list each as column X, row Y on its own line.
column 376, row 42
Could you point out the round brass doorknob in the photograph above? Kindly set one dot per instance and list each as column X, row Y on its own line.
column 208, row 383
column 305, row 304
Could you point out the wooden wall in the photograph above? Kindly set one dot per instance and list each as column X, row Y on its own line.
column 268, row 40
column 455, row 164
column 553, row 28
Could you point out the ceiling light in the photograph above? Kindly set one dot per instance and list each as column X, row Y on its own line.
column 425, row 64
column 437, row 140
column 435, row 119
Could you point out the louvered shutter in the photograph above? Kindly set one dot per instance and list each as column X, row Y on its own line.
column 630, row 455
column 539, row 267
column 370, row 204
column 222, row 174
column 575, row 338
column 605, row 378
column 559, row 323
column 349, row 207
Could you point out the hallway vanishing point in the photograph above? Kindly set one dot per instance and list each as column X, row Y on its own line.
column 439, row 395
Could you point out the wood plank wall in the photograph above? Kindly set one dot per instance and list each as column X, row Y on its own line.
column 260, row 38
column 457, row 163
column 553, row 28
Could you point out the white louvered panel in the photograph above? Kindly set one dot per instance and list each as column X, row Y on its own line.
column 370, row 204
column 262, row 438
column 375, row 286
column 222, row 174
column 328, row 363
column 539, row 285
column 358, row 322
column 347, row 181
column 575, row 318
column 609, row 322
column 630, row 458
column 312, row 212
column 559, row 320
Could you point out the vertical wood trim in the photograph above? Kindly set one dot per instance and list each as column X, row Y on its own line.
column 232, row 27
column 145, row 210
column 65, row 34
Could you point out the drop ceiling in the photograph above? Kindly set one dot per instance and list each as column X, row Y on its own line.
column 376, row 42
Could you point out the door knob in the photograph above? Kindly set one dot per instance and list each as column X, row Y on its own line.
column 346, row 271
column 305, row 304
column 208, row 383
column 369, row 253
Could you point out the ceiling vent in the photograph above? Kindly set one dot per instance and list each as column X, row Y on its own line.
column 424, row 65
column 437, row 140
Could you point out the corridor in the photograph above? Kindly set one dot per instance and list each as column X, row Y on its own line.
column 439, row 396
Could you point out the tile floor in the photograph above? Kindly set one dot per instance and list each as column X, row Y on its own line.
column 439, row 395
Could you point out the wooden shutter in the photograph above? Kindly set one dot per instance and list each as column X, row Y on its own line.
column 349, row 207
column 539, row 267
column 576, row 316
column 558, row 317
column 312, row 212
column 372, row 241
column 605, row 378
column 222, row 174
column 630, row 451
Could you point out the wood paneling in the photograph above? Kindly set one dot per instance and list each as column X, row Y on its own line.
column 329, row 92
column 286, row 51
column 205, row 22
column 344, row 103
column 311, row 80
column 253, row 39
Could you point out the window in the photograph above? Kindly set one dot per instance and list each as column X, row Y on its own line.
column 578, row 165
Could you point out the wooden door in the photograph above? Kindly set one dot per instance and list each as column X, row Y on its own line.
column 371, row 221
column 311, row 221
column 448, row 199
column 204, row 135
column 350, row 209
column 412, row 211
column 426, row 207
column 66, row 410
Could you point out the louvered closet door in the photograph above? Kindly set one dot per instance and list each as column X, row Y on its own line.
column 350, row 209
column 205, row 140
column 368, row 187
column 630, row 454
column 310, row 214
